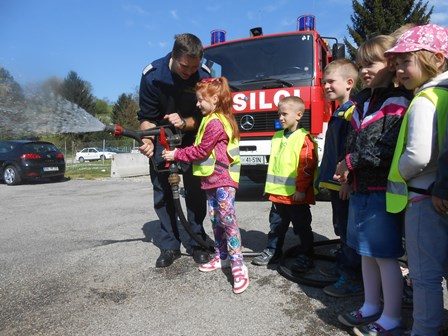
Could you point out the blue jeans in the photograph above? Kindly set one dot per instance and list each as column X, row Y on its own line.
column 427, row 247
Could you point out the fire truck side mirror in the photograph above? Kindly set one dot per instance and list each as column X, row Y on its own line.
column 338, row 51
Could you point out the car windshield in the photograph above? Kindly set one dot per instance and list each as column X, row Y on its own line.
column 36, row 147
column 270, row 58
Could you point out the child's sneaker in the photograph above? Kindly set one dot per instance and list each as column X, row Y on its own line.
column 266, row 257
column 355, row 318
column 240, row 279
column 344, row 287
column 374, row 329
column 214, row 264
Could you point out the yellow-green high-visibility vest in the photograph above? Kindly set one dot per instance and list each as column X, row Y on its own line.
column 284, row 162
column 206, row 166
column 397, row 189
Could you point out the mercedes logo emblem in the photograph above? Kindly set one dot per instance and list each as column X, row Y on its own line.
column 247, row 122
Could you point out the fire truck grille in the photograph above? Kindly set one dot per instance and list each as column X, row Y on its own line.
column 265, row 121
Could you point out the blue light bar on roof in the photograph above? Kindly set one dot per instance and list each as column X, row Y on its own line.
column 306, row 22
column 218, row 36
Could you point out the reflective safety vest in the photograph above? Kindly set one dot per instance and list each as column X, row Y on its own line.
column 206, row 166
column 397, row 189
column 284, row 162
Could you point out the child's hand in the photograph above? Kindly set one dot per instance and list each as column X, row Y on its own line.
column 342, row 172
column 440, row 205
column 168, row 155
column 298, row 196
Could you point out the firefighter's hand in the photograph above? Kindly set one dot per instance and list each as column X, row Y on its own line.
column 341, row 173
column 298, row 196
column 176, row 120
column 344, row 192
column 147, row 148
column 440, row 205
column 168, row 155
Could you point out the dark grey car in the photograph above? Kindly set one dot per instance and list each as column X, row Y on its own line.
column 22, row 160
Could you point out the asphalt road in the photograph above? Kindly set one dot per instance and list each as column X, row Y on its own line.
column 77, row 258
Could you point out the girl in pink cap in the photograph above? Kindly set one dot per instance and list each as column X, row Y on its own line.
column 421, row 60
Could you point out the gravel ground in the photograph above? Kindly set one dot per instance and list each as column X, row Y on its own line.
column 77, row 258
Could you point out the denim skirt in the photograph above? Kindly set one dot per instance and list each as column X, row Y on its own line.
column 372, row 231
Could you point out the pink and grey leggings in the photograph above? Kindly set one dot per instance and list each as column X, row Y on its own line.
column 221, row 207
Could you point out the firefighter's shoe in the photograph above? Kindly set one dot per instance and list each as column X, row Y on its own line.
column 214, row 264
column 167, row 257
column 240, row 278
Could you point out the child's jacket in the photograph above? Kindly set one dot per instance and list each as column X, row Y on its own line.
column 214, row 138
column 334, row 148
column 372, row 138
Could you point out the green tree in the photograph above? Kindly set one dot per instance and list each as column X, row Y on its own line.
column 374, row 17
column 78, row 91
column 103, row 111
column 125, row 110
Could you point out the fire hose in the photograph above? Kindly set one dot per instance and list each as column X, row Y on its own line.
column 167, row 138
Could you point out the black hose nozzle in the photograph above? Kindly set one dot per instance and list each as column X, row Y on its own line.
column 118, row 130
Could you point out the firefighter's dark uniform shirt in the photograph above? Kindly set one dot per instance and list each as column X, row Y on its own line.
column 163, row 92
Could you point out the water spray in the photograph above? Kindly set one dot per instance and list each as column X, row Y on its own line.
column 169, row 139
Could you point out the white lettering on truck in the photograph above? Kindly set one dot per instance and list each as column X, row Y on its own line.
column 265, row 100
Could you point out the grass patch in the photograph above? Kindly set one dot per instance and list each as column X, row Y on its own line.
column 88, row 170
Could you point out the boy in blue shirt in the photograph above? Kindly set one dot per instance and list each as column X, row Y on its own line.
column 340, row 77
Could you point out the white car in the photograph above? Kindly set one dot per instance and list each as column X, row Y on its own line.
column 93, row 153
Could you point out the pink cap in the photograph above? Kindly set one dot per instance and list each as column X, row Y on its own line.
column 429, row 37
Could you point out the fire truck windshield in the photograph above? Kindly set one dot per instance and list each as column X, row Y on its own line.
column 281, row 58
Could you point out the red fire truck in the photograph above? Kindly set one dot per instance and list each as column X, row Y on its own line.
column 261, row 70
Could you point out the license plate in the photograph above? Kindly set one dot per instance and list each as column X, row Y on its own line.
column 253, row 160
column 48, row 169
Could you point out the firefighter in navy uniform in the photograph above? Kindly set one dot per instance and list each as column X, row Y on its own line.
column 167, row 95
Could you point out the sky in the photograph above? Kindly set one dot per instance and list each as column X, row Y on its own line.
column 109, row 42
